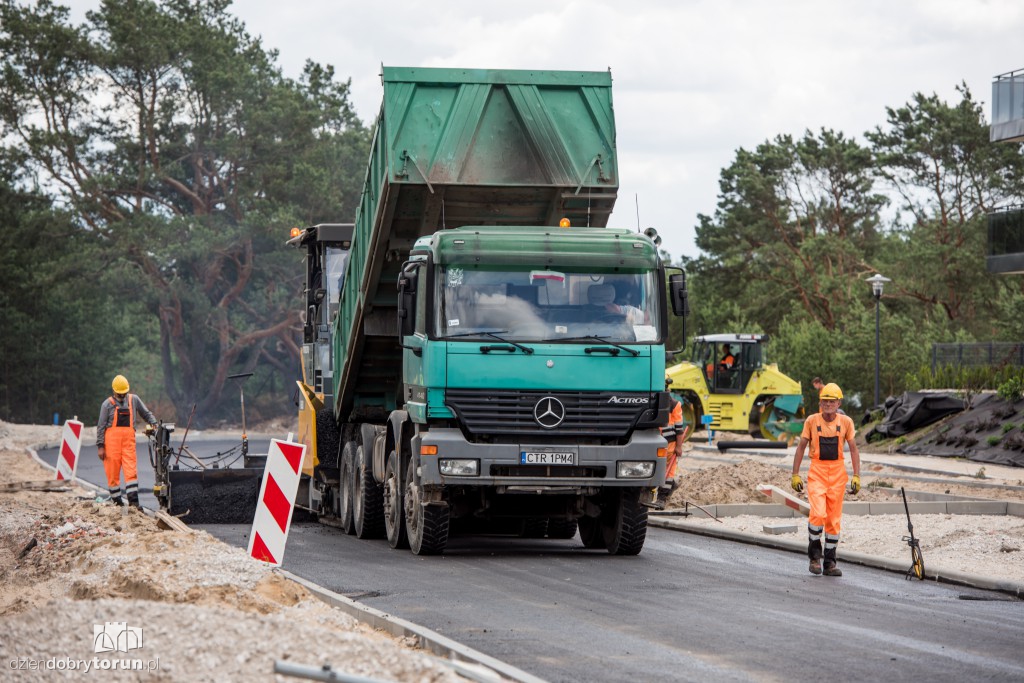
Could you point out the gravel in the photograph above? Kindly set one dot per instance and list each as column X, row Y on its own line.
column 207, row 611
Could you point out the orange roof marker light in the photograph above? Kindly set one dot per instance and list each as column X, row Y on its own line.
column 294, row 232
column 564, row 223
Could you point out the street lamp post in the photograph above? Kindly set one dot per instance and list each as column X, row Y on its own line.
column 877, row 285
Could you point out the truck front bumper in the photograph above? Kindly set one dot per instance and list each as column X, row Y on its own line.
column 500, row 464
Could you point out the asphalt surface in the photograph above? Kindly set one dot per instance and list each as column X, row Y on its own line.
column 687, row 608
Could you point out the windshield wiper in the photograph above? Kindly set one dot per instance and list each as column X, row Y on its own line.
column 492, row 335
column 600, row 340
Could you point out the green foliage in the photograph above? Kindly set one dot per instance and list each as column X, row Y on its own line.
column 1012, row 389
column 1008, row 427
column 185, row 156
column 61, row 331
column 994, row 440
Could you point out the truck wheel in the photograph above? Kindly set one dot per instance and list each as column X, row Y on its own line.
column 534, row 527
column 367, row 499
column 427, row 525
column 591, row 534
column 561, row 528
column 394, row 517
column 345, row 489
column 624, row 524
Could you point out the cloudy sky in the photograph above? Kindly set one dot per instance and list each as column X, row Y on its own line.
column 693, row 79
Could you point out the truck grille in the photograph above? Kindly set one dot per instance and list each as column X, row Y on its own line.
column 601, row 414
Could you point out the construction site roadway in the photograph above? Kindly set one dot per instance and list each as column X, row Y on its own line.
column 689, row 607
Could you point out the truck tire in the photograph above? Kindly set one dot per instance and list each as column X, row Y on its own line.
column 328, row 440
column 394, row 515
column 562, row 528
column 426, row 525
column 534, row 527
column 368, row 499
column 624, row 524
column 346, row 488
column 591, row 534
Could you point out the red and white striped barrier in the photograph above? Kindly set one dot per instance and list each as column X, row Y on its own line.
column 70, row 446
column 276, row 502
column 779, row 496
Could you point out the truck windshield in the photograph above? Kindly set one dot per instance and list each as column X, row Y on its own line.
column 547, row 305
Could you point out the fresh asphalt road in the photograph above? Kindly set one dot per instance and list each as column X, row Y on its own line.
column 687, row 608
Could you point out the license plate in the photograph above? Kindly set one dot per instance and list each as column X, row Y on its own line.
column 547, row 458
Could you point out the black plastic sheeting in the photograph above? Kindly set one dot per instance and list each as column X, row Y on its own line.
column 912, row 411
column 991, row 431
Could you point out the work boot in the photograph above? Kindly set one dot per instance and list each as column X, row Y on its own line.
column 117, row 500
column 133, row 501
column 830, row 563
column 814, row 553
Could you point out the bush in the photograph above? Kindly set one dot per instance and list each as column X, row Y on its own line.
column 1012, row 389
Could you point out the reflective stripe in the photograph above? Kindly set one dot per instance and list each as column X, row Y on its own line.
column 814, row 532
column 132, row 487
column 669, row 432
column 831, row 541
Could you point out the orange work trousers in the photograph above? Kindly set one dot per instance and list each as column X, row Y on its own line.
column 120, row 446
column 671, row 459
column 826, row 485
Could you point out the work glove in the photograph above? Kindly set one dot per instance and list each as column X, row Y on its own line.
column 855, row 484
column 149, row 430
column 797, row 483
column 102, row 452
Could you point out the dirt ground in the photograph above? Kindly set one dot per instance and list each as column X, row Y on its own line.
column 207, row 611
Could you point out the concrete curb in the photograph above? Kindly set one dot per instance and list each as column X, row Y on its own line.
column 427, row 639
column 958, row 478
column 76, row 481
column 931, row 572
column 466, row 661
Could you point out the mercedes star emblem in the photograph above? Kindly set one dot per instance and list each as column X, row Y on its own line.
column 549, row 412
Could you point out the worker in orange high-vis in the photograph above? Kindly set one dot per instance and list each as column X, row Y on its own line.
column 115, row 439
column 675, row 433
column 824, row 433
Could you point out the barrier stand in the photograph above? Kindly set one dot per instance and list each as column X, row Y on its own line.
column 70, row 447
column 276, row 503
column 706, row 420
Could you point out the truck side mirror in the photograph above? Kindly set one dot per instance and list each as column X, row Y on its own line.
column 407, row 302
column 677, row 291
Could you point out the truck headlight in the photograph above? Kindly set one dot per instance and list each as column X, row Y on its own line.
column 459, row 467
column 634, row 469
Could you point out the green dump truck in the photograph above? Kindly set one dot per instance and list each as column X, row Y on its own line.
column 467, row 360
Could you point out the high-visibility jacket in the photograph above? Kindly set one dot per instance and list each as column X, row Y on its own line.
column 675, row 426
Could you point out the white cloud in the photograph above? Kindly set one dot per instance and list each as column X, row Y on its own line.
column 693, row 79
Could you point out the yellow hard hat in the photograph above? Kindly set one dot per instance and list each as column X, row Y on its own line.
column 831, row 391
column 120, row 385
